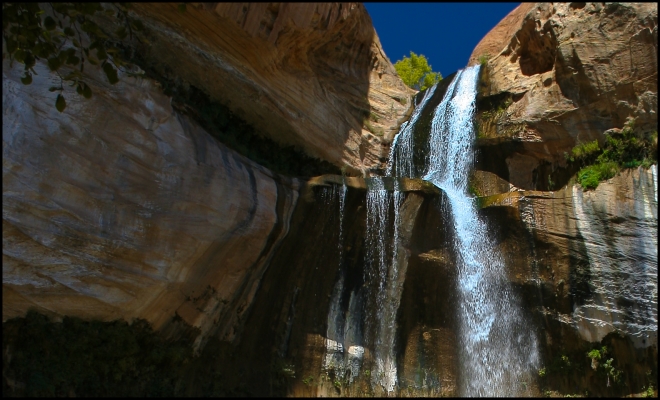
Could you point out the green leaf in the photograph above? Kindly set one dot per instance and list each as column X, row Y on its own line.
column 68, row 31
column 27, row 79
column 49, row 23
column 60, row 104
column 100, row 53
column 29, row 61
column 182, row 7
column 121, row 32
column 20, row 56
column 137, row 24
column 54, row 63
column 111, row 73
column 53, row 88
column 87, row 91
column 412, row 71
column 79, row 89
column 73, row 60
column 12, row 46
column 74, row 74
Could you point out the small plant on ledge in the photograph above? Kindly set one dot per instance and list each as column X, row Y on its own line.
column 622, row 149
column 484, row 58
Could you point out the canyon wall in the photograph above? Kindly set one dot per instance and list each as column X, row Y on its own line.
column 121, row 208
column 310, row 75
column 586, row 265
column 560, row 74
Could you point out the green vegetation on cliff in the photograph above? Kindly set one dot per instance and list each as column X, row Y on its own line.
column 30, row 34
column 79, row 358
column 622, row 149
column 416, row 72
column 71, row 38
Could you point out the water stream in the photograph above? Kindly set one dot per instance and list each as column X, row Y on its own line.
column 498, row 352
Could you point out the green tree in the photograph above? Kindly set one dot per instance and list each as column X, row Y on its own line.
column 416, row 72
column 66, row 36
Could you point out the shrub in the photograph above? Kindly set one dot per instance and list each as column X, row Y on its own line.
column 90, row 358
column 30, row 34
column 585, row 150
column 416, row 72
column 590, row 176
column 624, row 149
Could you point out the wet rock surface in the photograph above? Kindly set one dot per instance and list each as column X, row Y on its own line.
column 589, row 274
column 123, row 208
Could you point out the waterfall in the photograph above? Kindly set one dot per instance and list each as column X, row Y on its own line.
column 401, row 153
column 497, row 351
column 382, row 274
column 343, row 353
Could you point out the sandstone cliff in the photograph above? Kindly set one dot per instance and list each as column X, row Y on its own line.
column 120, row 208
column 588, row 274
column 304, row 74
column 559, row 74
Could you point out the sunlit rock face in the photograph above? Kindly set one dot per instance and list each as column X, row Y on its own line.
column 559, row 74
column 586, row 263
column 308, row 75
column 120, row 208
column 601, row 247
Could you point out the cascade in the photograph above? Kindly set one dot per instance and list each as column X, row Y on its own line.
column 342, row 331
column 401, row 151
column 381, row 269
column 497, row 350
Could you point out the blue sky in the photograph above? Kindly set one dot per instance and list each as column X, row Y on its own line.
column 446, row 33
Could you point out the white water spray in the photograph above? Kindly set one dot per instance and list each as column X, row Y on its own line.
column 382, row 272
column 401, row 153
column 497, row 350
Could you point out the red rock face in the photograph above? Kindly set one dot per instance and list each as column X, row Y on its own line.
column 127, row 209
column 304, row 74
column 564, row 74
column 493, row 42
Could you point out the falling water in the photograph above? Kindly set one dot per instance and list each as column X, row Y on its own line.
column 497, row 350
column 401, row 153
column 343, row 330
column 383, row 275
